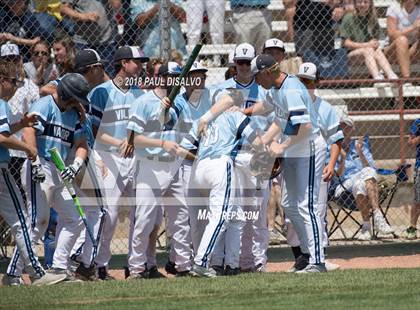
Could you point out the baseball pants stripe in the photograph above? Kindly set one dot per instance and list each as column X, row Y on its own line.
column 221, row 219
column 32, row 258
column 312, row 215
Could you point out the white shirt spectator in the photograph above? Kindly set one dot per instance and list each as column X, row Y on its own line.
column 404, row 19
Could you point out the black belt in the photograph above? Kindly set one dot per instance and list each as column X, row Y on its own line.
column 164, row 159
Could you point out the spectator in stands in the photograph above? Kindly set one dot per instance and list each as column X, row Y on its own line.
column 176, row 56
column 403, row 27
column 215, row 10
column 360, row 32
column 231, row 71
column 64, row 53
column 152, row 71
column 93, row 28
column 40, row 69
column 26, row 93
column 144, row 14
column 251, row 20
column 48, row 14
column 414, row 140
column 356, row 169
column 18, row 24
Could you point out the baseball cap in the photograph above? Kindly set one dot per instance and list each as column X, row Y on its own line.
column 198, row 67
column 345, row 118
column 87, row 57
column 130, row 52
column 244, row 51
column 73, row 85
column 273, row 43
column 9, row 49
column 170, row 68
column 307, row 70
column 261, row 62
column 231, row 62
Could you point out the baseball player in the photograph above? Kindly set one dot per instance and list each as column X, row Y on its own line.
column 58, row 126
column 296, row 118
column 215, row 174
column 255, row 234
column 332, row 136
column 189, row 107
column 275, row 48
column 158, row 181
column 110, row 102
column 12, row 208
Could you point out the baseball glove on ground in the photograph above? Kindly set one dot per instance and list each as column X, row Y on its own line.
column 264, row 166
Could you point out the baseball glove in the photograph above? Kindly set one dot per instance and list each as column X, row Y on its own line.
column 264, row 166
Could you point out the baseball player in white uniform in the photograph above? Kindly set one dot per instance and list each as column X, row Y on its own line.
column 296, row 118
column 110, row 104
column 215, row 173
column 158, row 182
column 331, row 134
column 12, row 208
column 58, row 126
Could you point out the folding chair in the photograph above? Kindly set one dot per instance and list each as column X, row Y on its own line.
column 346, row 203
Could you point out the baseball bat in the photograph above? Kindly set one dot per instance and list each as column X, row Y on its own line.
column 59, row 163
column 185, row 70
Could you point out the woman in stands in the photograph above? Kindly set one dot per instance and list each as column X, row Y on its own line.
column 360, row 32
column 40, row 69
column 64, row 52
column 403, row 26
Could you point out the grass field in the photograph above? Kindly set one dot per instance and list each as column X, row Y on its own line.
column 365, row 289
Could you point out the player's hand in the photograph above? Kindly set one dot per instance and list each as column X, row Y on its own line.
column 38, row 174
column 70, row 172
column 126, row 149
column 170, row 147
column 31, row 152
column 358, row 146
column 102, row 167
column 202, row 128
column 276, row 149
column 165, row 103
column 29, row 120
column 90, row 17
column 327, row 173
column 258, row 144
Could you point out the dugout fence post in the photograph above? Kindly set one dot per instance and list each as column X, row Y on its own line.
column 165, row 30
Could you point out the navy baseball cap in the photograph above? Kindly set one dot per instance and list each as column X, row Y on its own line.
column 130, row 52
column 170, row 68
column 262, row 62
column 87, row 57
column 74, row 85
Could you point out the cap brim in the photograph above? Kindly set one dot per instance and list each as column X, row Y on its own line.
column 274, row 46
column 304, row 76
column 243, row 58
column 199, row 70
column 83, row 100
column 143, row 59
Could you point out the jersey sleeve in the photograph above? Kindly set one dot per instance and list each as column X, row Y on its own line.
column 4, row 118
column 79, row 131
column 137, row 117
column 98, row 99
column 175, row 111
column 42, row 110
column 298, row 112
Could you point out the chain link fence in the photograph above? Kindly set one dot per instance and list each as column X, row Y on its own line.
column 355, row 51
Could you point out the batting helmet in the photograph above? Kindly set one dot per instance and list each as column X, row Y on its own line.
column 263, row 166
column 73, row 85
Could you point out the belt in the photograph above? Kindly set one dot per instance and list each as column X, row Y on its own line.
column 165, row 159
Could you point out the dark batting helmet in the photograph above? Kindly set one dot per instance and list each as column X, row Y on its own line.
column 73, row 85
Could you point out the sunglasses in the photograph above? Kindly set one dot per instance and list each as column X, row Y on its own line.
column 13, row 80
column 40, row 53
column 242, row 62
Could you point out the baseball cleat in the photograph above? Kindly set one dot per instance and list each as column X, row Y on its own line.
column 260, row 268
column 50, row 278
column 229, row 271
column 203, row 272
column 104, row 275
column 139, row 275
column 170, row 268
column 410, row 233
column 364, row 235
column 86, row 274
column 313, row 268
column 331, row 266
column 185, row 273
column 12, row 280
column 381, row 226
column 154, row 273
column 220, row 271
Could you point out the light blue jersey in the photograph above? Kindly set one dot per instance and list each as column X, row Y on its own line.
column 4, row 129
column 328, row 121
column 144, row 120
column 55, row 128
column 353, row 163
column 110, row 110
column 223, row 136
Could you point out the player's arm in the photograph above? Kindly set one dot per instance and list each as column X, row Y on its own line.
column 328, row 171
column 413, row 140
column 28, row 120
column 278, row 149
column 66, row 9
column 142, row 141
column 48, row 89
column 11, row 142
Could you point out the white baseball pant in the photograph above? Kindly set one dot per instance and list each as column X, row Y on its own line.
column 13, row 212
column 159, row 183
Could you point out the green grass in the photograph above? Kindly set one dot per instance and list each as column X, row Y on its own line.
column 363, row 289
